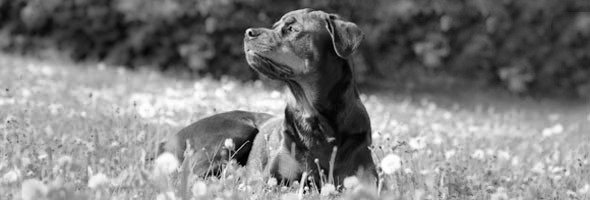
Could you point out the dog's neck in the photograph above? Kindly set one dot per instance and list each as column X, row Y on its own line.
column 326, row 103
column 316, row 93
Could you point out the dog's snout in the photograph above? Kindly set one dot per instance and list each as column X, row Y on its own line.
column 252, row 33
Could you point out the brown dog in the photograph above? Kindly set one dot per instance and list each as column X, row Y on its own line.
column 307, row 50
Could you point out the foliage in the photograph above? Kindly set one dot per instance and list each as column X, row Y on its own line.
column 529, row 45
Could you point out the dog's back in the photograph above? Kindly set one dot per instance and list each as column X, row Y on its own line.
column 206, row 137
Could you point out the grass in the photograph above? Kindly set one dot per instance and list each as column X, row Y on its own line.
column 87, row 132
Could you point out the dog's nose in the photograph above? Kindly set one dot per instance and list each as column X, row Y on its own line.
column 252, row 33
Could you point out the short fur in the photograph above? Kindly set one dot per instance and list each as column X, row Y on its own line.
column 307, row 50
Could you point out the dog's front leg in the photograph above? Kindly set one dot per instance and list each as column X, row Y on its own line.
column 285, row 167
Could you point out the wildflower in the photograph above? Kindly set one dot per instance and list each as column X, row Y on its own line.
column 584, row 190
column 199, row 189
column 98, row 180
column 503, row 155
column 500, row 194
column 272, row 182
column 351, row 182
column 275, row 94
column 120, row 70
column 361, row 192
column 539, row 168
column 417, row 143
column 490, row 152
column 11, row 176
column 515, row 161
column 408, row 171
column 290, row 196
column 450, row 153
column 166, row 196
column 229, row 144
column 48, row 130
column 64, row 161
column 284, row 189
column 478, row 154
column 295, row 184
column 328, row 189
column 376, row 136
column 244, row 187
column 166, row 164
column 26, row 93
column 25, row 161
column 557, row 170
column 554, row 130
column 438, row 140
column 391, row 163
column 419, row 193
column 33, row 189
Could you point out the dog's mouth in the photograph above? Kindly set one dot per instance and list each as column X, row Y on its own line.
column 267, row 66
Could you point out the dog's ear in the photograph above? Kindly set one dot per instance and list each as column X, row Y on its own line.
column 346, row 36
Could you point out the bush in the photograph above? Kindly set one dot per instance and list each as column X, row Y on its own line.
column 526, row 45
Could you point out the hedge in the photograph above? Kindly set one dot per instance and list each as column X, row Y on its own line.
column 523, row 45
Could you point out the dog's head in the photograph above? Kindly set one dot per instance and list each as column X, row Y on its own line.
column 299, row 43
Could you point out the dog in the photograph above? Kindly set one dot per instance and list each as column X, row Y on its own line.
column 325, row 130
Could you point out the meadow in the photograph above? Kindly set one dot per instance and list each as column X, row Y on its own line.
column 90, row 131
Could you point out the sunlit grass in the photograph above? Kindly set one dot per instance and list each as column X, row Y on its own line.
column 89, row 132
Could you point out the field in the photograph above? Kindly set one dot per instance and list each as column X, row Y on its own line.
column 90, row 131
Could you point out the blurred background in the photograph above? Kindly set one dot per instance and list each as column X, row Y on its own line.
column 527, row 47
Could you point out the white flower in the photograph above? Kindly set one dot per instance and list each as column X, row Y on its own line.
column 290, row 196
column 229, row 144
column 328, row 189
column 244, row 187
column 391, row 163
column 419, row 193
column 584, row 190
column 272, row 182
column 500, row 194
column 98, row 180
column 450, row 153
column 539, row 168
column 503, row 155
column 33, row 189
column 557, row 169
column 417, row 143
column 166, row 196
column 554, row 130
column 165, row 164
column 408, row 171
column 350, row 182
column 146, row 110
column 275, row 94
column 438, row 140
column 478, row 154
column 64, row 161
column 11, row 176
column 515, row 161
column 490, row 152
column 26, row 93
column 199, row 189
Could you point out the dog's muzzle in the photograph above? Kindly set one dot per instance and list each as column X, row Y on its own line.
column 254, row 48
column 268, row 67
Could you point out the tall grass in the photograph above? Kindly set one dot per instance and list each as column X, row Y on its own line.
column 85, row 132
